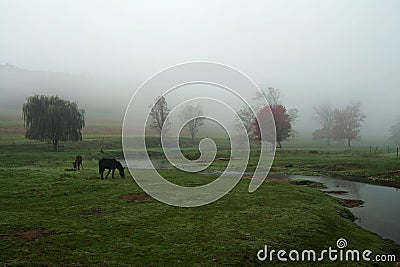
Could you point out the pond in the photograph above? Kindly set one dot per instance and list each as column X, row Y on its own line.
column 380, row 212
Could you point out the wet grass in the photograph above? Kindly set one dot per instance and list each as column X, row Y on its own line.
column 92, row 225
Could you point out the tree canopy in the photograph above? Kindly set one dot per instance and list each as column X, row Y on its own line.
column 347, row 123
column 284, row 119
column 283, row 123
column 52, row 119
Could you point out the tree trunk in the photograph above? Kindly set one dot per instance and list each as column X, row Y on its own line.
column 279, row 144
column 328, row 135
column 55, row 145
column 348, row 142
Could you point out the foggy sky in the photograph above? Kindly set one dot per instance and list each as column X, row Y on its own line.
column 314, row 51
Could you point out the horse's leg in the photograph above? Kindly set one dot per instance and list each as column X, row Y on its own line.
column 101, row 171
column 113, row 173
column 108, row 173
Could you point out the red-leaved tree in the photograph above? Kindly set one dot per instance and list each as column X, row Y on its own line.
column 283, row 123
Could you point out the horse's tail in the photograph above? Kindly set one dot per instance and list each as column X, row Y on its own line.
column 99, row 166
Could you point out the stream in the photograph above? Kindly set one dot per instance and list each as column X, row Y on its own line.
column 380, row 212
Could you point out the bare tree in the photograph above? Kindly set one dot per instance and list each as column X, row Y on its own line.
column 395, row 133
column 159, row 114
column 272, row 95
column 347, row 123
column 325, row 116
column 246, row 117
column 193, row 125
column 293, row 116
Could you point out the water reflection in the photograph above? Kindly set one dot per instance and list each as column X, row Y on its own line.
column 380, row 212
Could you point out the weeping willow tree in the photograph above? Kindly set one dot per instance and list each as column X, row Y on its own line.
column 52, row 119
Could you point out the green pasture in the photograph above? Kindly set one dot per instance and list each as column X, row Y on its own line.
column 85, row 221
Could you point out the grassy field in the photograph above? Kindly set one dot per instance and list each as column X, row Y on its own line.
column 52, row 215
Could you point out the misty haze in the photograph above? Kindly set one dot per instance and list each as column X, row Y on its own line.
column 105, row 161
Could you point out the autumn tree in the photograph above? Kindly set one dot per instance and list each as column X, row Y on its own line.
column 284, row 118
column 347, row 123
column 273, row 96
column 193, row 125
column 158, row 114
column 283, row 124
column 325, row 116
column 246, row 115
column 395, row 133
column 52, row 119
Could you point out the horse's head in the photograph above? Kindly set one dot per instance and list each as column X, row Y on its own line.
column 121, row 169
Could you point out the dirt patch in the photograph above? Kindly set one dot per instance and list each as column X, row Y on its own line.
column 282, row 180
column 29, row 235
column 351, row 203
column 138, row 198
column 308, row 183
column 335, row 192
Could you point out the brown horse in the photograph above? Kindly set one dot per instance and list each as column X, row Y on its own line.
column 78, row 162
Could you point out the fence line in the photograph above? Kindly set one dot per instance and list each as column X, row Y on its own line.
column 373, row 150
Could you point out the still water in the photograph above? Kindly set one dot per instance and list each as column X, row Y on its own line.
column 380, row 212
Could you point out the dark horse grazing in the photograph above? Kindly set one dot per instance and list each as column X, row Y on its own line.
column 78, row 162
column 110, row 164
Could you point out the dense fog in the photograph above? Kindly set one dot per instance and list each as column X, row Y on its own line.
column 98, row 53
